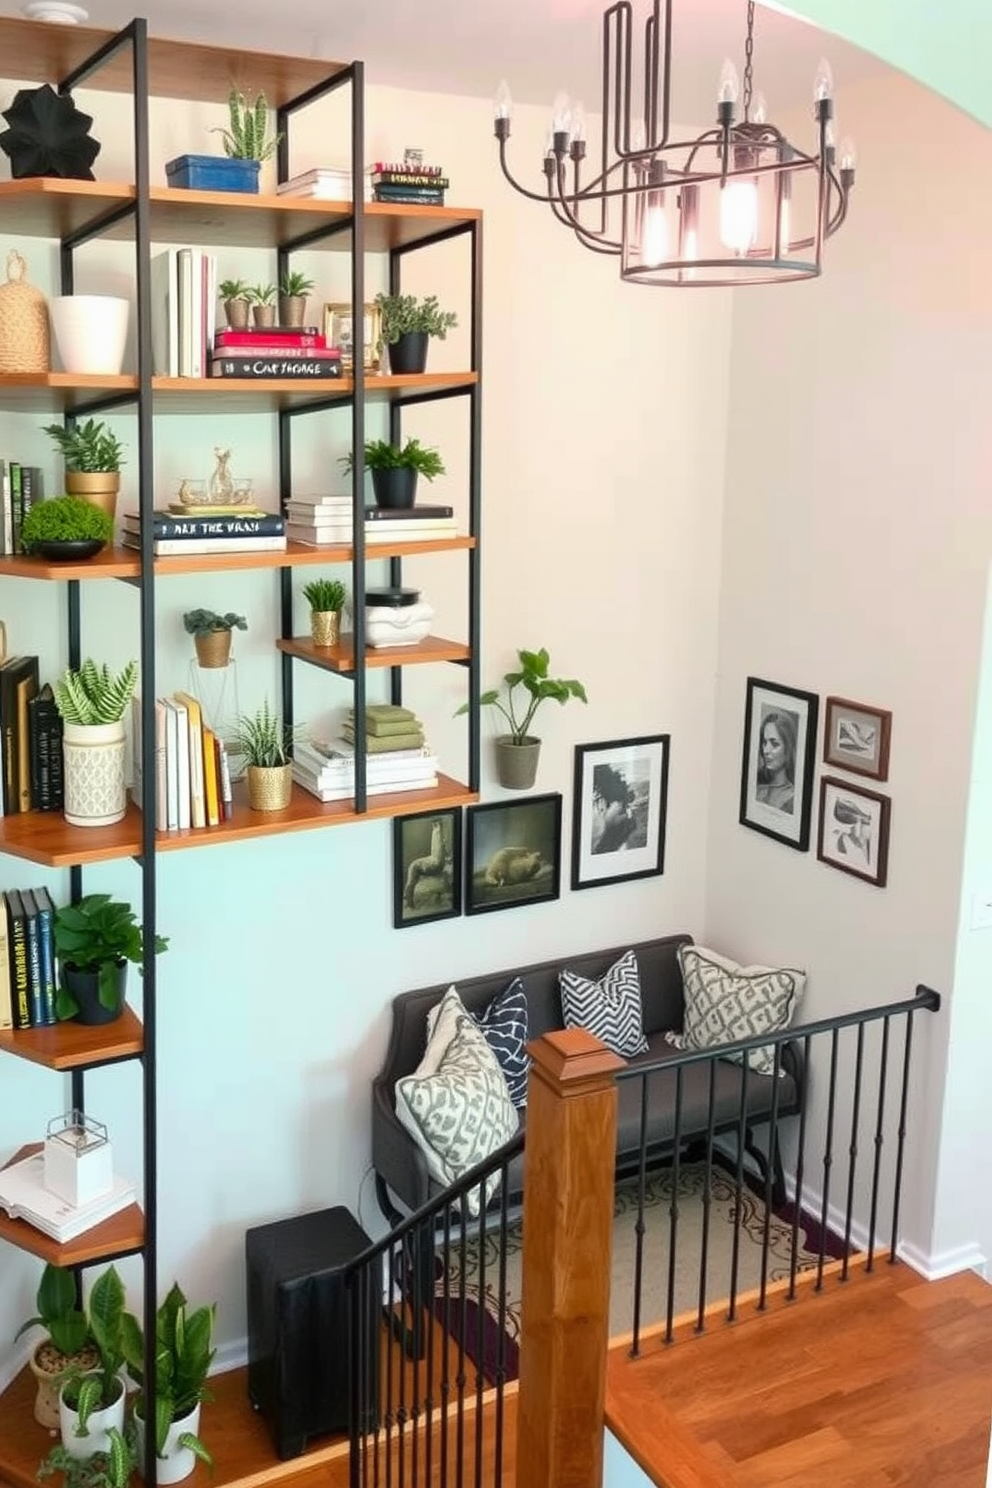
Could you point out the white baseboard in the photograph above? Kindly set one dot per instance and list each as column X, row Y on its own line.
column 230, row 1356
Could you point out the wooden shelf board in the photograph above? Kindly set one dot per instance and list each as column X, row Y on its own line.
column 46, row 837
column 111, row 563
column 75, row 1045
column 121, row 1234
column 48, row 392
column 200, row 395
column 341, row 658
column 48, row 207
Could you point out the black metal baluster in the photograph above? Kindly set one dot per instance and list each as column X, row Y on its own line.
column 635, row 1344
column 828, row 1155
column 462, row 1334
column 673, row 1229
column 901, row 1137
column 853, row 1147
column 738, row 1192
column 876, row 1172
column 770, row 1176
column 501, row 1341
column 446, row 1378
column 707, row 1196
column 480, row 1313
column 797, row 1197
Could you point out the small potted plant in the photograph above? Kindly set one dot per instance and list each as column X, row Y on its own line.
column 92, row 702
column 93, row 459
column 293, row 290
column 326, row 598
column 395, row 469
column 66, row 527
column 264, row 743
column 109, row 1469
column 183, row 1356
column 92, row 1403
column 518, row 752
column 235, row 296
column 407, row 326
column 263, row 304
column 66, row 1346
column 212, row 635
column 94, row 941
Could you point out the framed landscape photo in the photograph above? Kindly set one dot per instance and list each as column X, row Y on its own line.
column 619, row 809
column 513, row 853
column 779, row 755
column 854, row 830
column 856, row 738
column 339, row 332
column 427, row 867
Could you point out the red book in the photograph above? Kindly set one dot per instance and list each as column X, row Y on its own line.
column 266, row 336
column 271, row 349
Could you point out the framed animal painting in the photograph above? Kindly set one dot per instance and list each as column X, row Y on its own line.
column 427, row 867
column 513, row 853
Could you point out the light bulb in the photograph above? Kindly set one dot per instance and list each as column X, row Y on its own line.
column 689, row 222
column 759, row 109
column 729, row 88
column 578, row 121
column 654, row 244
column 823, row 84
column 848, row 153
column 502, row 103
column 561, row 114
column 738, row 216
column 785, row 225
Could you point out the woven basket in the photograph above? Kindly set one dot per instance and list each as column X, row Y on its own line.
column 213, row 649
column 24, row 339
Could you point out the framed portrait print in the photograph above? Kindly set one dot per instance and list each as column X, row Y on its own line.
column 427, row 867
column 856, row 738
column 620, row 801
column 513, row 853
column 779, row 755
column 854, row 830
column 339, row 332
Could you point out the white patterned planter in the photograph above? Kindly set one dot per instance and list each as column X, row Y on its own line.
column 93, row 756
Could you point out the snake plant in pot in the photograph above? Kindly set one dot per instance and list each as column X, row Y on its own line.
column 94, row 940
column 518, row 752
column 264, row 743
column 183, row 1356
column 92, row 702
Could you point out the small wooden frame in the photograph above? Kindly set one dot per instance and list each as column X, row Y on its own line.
column 856, row 737
column 854, row 830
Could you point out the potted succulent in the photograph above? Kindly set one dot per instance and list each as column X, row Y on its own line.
column 91, row 1403
column 93, row 459
column 66, row 1346
column 235, row 296
column 395, row 469
column 92, row 702
column 109, row 1469
column 183, row 1356
column 326, row 599
column 66, row 527
column 263, row 304
column 407, row 326
column 212, row 635
column 94, row 940
column 293, row 290
column 518, row 752
column 264, row 743
column 247, row 143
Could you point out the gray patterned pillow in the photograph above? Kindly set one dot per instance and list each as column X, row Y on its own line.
column 610, row 1008
column 725, row 1002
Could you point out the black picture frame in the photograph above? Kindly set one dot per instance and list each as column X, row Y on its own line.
column 427, row 869
column 853, row 831
column 787, row 717
column 619, row 810
column 513, row 853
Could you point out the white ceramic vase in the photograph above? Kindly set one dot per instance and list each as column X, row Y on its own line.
column 97, row 1426
column 175, row 1462
column 93, row 760
column 90, row 332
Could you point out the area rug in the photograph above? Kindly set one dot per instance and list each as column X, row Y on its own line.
column 468, row 1305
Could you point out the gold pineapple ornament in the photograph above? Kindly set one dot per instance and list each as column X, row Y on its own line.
column 25, row 344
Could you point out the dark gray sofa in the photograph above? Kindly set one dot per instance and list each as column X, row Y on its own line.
column 400, row 1170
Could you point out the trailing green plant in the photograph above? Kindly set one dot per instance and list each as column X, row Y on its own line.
column 110, row 1469
column 99, row 1388
column 406, row 314
column 204, row 622
column 263, row 739
column 295, row 285
column 381, row 455
column 65, row 519
column 95, row 694
column 247, row 127
column 233, row 289
column 97, row 934
column 183, row 1356
column 539, row 687
column 262, row 294
column 324, row 595
column 58, row 1311
column 88, row 446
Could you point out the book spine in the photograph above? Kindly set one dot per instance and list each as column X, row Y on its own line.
column 273, row 524
column 36, row 996
column 175, row 547
column 224, row 780
column 410, row 514
column 264, row 338
column 7, row 524
column 16, row 507
column 272, row 351
column 27, row 688
column 46, row 951
column 248, row 335
column 17, row 937
column 6, row 1000
column 55, row 761
column 301, row 368
column 410, row 178
column 411, row 195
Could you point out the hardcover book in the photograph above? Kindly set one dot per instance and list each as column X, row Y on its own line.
column 15, row 745
column 264, row 336
column 17, row 943
column 46, row 947
column 175, row 547
column 300, row 368
column 170, row 524
column 36, row 996
column 6, row 1000
column 45, row 749
column 23, row 1195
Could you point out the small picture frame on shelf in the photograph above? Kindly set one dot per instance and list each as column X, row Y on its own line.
column 854, row 830
column 339, row 332
column 427, row 867
column 620, row 800
column 513, row 854
column 779, row 756
column 856, row 738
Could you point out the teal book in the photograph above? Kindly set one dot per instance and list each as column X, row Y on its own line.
column 46, row 952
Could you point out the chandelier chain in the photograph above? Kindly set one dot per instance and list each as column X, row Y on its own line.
column 749, row 60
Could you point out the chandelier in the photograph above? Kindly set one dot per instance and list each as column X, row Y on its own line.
column 737, row 204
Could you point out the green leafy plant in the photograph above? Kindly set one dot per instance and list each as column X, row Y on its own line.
column 111, row 1469
column 99, row 1388
column 263, row 739
column 97, row 934
column 88, row 446
column 203, row 622
column 381, row 455
column 262, row 294
column 58, row 1313
column 183, row 1356
column 539, row 687
column 294, row 285
column 233, row 289
column 94, row 694
column 403, row 314
column 324, row 595
column 248, row 125
column 65, row 519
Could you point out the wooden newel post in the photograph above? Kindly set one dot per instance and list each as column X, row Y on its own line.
column 567, row 1239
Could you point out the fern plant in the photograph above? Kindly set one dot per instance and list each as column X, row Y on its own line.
column 93, row 694
column 248, row 125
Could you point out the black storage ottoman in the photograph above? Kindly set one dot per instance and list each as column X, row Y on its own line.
column 298, row 1347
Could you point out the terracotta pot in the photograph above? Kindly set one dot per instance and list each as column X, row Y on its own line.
column 99, row 487
column 516, row 764
column 325, row 627
column 269, row 789
column 213, row 649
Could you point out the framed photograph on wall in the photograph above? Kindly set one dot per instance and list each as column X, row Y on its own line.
column 513, row 853
column 619, row 808
column 856, row 738
column 779, row 755
column 427, row 867
column 854, row 830
column 339, row 332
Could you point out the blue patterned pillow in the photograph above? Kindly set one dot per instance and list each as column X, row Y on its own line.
column 504, row 1022
column 609, row 1008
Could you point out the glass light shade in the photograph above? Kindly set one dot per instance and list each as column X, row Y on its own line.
column 739, row 216
column 502, row 102
column 561, row 114
column 823, row 83
column 729, row 87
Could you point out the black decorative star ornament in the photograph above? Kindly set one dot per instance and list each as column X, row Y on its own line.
column 48, row 136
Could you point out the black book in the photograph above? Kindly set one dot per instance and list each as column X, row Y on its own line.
column 297, row 369
column 17, row 942
column 46, row 950
column 401, row 513
column 18, row 684
column 165, row 524
column 36, row 995
column 44, row 740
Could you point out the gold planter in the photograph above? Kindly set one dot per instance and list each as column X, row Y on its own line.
column 269, row 789
column 214, row 648
column 100, row 487
column 325, row 627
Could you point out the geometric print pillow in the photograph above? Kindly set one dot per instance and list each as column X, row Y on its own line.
column 610, row 1008
column 459, row 1112
column 504, row 1022
column 725, row 1002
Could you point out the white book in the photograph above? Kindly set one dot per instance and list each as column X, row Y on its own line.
column 161, row 769
column 164, row 279
column 175, row 547
column 317, row 537
column 24, row 1196
column 197, row 785
column 394, row 532
column 321, row 503
column 171, row 766
column 8, row 508
column 183, row 779
column 377, row 766
column 185, row 316
column 372, row 787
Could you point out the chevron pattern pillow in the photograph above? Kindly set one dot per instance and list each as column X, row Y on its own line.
column 504, row 1022
column 610, row 1008
column 725, row 1002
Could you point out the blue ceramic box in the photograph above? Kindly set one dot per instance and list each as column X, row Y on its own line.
column 212, row 173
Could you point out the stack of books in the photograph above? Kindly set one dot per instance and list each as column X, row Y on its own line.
column 326, row 182
column 400, row 761
column 192, row 767
column 321, row 521
column 182, row 530
column 184, row 305
column 21, row 487
column 27, row 959
column 409, row 182
column 299, row 352
column 23, row 1195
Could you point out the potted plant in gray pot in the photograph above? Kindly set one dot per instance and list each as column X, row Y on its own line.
column 183, row 1356
column 92, row 702
column 94, row 940
column 294, row 288
column 408, row 323
column 93, row 459
column 395, row 468
column 235, row 296
column 67, row 1346
column 518, row 752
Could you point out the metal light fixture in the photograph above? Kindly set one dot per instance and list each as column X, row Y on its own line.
column 738, row 204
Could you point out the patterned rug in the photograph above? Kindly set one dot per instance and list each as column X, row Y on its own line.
column 473, row 1312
